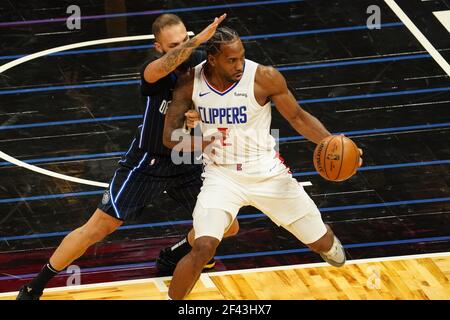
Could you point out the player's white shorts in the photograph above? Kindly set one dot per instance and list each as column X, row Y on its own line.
column 268, row 187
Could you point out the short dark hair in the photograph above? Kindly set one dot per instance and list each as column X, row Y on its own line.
column 223, row 35
column 164, row 20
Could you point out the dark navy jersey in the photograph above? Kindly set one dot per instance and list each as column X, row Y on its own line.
column 156, row 98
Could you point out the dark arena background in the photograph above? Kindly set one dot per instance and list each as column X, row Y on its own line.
column 376, row 71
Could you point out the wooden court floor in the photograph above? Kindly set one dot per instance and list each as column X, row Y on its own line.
column 419, row 277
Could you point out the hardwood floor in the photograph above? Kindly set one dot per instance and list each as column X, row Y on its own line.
column 421, row 277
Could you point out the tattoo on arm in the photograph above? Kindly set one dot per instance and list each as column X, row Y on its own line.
column 177, row 56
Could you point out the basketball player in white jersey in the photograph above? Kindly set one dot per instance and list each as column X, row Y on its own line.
column 233, row 96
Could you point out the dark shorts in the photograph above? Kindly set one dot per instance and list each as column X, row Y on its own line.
column 141, row 178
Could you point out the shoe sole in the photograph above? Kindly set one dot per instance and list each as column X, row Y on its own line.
column 332, row 262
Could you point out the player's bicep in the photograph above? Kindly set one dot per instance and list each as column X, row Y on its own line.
column 287, row 105
column 282, row 97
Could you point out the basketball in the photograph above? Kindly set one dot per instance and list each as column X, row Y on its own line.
column 336, row 158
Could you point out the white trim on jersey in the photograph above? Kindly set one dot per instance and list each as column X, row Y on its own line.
column 112, row 197
column 214, row 89
column 113, row 201
column 143, row 123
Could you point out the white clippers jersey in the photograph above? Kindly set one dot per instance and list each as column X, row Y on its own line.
column 235, row 110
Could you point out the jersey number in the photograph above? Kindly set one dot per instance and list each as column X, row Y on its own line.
column 224, row 133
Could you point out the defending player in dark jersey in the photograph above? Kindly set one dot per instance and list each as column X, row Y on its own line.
column 146, row 170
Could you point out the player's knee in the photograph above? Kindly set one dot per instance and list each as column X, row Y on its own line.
column 92, row 233
column 99, row 226
column 204, row 249
column 233, row 230
column 88, row 235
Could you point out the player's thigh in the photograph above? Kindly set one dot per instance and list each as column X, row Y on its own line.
column 218, row 204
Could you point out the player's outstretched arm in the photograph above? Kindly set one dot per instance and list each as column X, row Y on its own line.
column 161, row 67
column 273, row 82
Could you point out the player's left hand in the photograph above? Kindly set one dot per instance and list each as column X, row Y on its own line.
column 192, row 118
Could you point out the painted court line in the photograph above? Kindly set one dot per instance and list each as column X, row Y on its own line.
column 36, row 55
column 375, row 131
column 419, row 36
column 383, row 167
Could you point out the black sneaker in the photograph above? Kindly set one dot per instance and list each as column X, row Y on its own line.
column 166, row 262
column 26, row 293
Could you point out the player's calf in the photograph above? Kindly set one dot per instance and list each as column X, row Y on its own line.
column 72, row 247
column 189, row 268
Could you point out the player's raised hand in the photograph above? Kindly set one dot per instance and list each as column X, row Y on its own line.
column 209, row 31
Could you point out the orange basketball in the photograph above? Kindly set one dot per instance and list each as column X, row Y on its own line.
column 336, row 158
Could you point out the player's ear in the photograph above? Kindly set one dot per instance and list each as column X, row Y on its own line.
column 158, row 47
column 211, row 60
